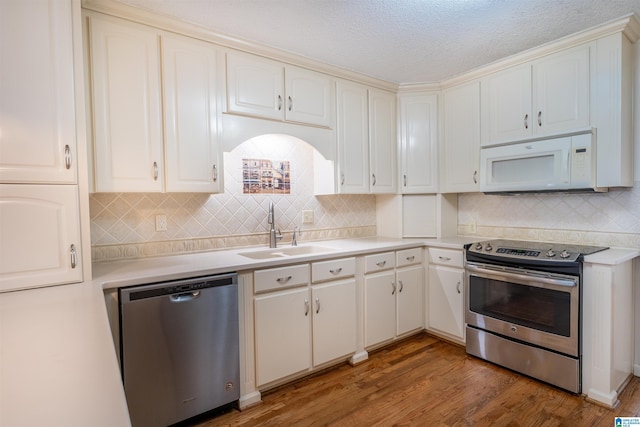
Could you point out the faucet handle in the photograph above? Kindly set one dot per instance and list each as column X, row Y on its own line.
column 279, row 236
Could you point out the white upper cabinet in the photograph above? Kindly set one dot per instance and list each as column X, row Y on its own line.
column 264, row 88
column 419, row 143
column 353, row 138
column 189, row 77
column 125, row 72
column 461, row 144
column 382, row 141
column 544, row 97
column 37, row 109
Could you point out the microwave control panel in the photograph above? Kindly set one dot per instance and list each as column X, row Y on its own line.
column 581, row 161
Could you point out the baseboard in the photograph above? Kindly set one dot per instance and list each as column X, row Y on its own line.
column 358, row 358
column 249, row 399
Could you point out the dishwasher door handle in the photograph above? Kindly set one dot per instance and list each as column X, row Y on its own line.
column 184, row 297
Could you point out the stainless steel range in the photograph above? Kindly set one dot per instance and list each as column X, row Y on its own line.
column 523, row 307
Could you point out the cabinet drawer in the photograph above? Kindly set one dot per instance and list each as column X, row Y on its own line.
column 379, row 262
column 334, row 269
column 408, row 257
column 448, row 257
column 281, row 278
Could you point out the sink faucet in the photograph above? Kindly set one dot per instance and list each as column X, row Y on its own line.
column 273, row 238
column 294, row 240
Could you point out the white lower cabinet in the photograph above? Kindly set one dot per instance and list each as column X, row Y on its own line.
column 299, row 326
column 446, row 293
column 393, row 292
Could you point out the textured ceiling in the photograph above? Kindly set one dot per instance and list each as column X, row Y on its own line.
column 400, row 41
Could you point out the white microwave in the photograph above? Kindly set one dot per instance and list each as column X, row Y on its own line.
column 557, row 164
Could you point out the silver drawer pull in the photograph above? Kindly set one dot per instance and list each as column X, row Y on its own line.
column 444, row 258
column 284, row 279
column 214, row 174
column 74, row 256
column 401, row 286
column 317, row 305
column 411, row 258
column 155, row 171
column 458, row 287
column 336, row 270
column 67, row 157
column 381, row 263
column 393, row 288
column 306, row 307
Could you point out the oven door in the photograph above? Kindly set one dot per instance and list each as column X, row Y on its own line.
column 523, row 305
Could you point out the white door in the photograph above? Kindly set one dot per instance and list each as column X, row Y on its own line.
column 190, row 110
column 409, row 301
column 382, row 141
column 125, row 71
column 310, row 97
column 561, row 92
column 40, row 236
column 283, row 334
column 379, row 307
column 461, row 148
column 419, row 143
column 37, row 111
column 255, row 86
column 334, row 320
column 446, row 302
column 507, row 105
column 353, row 138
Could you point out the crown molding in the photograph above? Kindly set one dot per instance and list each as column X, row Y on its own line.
column 171, row 24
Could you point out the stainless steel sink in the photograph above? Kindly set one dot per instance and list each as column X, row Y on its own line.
column 287, row 251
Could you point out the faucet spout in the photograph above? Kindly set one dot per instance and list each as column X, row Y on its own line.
column 273, row 238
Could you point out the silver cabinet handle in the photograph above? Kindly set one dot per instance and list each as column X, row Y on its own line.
column 341, row 179
column 444, row 258
column 155, row 171
column 539, row 118
column 67, row 157
column 475, row 174
column 401, row 286
column 374, row 178
column 404, row 179
column 336, row 271
column 283, row 279
column 214, row 174
column 393, row 288
column 458, row 286
column 526, row 121
column 381, row 263
column 411, row 258
column 317, row 305
column 74, row 256
column 306, row 307
column 290, row 103
column 279, row 103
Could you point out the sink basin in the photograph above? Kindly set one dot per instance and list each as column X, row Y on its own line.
column 286, row 251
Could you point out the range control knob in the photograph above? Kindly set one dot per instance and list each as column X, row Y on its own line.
column 488, row 248
column 479, row 247
column 551, row 253
column 565, row 254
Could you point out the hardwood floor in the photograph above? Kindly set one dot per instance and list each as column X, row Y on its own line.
column 424, row 381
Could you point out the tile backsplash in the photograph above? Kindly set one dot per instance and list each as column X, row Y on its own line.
column 123, row 224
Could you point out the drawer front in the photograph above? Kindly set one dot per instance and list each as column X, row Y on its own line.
column 281, row 278
column 379, row 262
column 334, row 269
column 448, row 257
column 409, row 257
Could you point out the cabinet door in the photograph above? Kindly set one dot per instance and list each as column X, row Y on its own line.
column 561, row 92
column 255, row 86
column 37, row 115
column 383, row 141
column 310, row 97
column 283, row 334
column 40, row 236
column 190, row 109
column 446, row 302
column 334, row 320
column 379, row 307
column 507, row 102
column 353, row 138
column 125, row 71
column 409, row 299
column 461, row 148
column 419, row 143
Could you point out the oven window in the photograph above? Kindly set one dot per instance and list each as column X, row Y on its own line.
column 542, row 309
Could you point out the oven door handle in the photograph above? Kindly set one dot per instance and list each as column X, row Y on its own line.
column 504, row 273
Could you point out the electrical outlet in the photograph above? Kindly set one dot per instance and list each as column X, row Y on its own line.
column 472, row 226
column 307, row 217
column 161, row 223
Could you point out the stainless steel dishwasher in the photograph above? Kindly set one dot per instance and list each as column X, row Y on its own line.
column 179, row 348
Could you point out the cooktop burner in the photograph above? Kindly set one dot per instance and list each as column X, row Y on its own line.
column 521, row 250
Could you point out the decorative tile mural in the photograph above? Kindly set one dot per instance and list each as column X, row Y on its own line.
column 264, row 176
column 123, row 224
